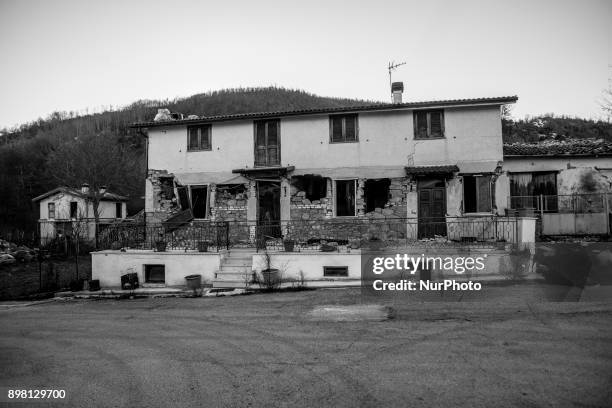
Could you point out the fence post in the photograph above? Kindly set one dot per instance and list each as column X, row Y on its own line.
column 227, row 243
column 606, row 197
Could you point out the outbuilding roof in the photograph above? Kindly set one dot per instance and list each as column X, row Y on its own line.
column 557, row 148
column 107, row 196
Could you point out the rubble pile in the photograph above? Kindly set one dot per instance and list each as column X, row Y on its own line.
column 11, row 253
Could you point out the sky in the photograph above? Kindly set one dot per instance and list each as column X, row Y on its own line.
column 73, row 55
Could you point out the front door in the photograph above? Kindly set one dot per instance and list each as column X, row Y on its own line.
column 432, row 207
column 268, row 209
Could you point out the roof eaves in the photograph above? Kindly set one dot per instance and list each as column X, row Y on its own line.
column 347, row 109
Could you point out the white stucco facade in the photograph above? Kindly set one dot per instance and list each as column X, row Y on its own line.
column 385, row 139
column 81, row 223
column 386, row 145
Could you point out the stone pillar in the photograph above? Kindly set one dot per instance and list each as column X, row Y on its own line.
column 360, row 199
column 212, row 202
column 285, row 203
column 329, row 211
column 412, row 200
column 252, row 201
column 252, row 209
column 526, row 228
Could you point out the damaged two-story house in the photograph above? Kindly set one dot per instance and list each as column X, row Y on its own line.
column 422, row 162
column 222, row 190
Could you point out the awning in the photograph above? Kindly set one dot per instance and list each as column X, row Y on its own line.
column 431, row 170
column 275, row 171
column 209, row 178
column 475, row 167
column 367, row 172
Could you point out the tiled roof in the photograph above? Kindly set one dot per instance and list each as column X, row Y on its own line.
column 108, row 196
column 554, row 148
column 502, row 100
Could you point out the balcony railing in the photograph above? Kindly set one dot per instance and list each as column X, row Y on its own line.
column 311, row 235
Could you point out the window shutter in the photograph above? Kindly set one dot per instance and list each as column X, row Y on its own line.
column 421, row 125
column 193, row 138
column 336, row 129
column 206, row 138
column 484, row 193
column 272, row 133
column 261, row 134
column 350, row 128
column 436, row 124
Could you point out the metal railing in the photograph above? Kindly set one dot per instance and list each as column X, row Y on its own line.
column 317, row 235
column 565, row 203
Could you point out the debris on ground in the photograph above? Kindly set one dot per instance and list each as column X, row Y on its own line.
column 351, row 313
column 11, row 253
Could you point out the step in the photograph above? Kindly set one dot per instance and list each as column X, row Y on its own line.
column 233, row 275
column 235, row 268
column 238, row 262
column 242, row 251
column 216, row 283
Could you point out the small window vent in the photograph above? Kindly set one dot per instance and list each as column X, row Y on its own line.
column 336, row 271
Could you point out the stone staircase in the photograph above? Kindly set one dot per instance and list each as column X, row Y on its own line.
column 236, row 269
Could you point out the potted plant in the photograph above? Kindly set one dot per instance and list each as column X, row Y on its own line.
column 288, row 243
column 203, row 246
column 271, row 276
column 160, row 244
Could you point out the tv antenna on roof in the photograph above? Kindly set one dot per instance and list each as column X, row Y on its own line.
column 391, row 66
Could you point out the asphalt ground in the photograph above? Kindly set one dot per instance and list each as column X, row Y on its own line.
column 336, row 348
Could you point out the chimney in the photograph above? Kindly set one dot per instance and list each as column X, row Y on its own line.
column 102, row 190
column 85, row 188
column 396, row 90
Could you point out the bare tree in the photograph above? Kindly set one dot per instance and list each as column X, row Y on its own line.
column 98, row 160
column 606, row 103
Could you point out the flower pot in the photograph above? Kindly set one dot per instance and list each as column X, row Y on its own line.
column 194, row 281
column 94, row 285
column 328, row 248
column 160, row 246
column 289, row 245
column 271, row 277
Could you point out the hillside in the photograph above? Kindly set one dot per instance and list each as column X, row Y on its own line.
column 24, row 151
column 549, row 126
column 25, row 169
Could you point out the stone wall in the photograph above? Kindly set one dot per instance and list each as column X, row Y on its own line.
column 229, row 203
column 312, row 220
column 165, row 203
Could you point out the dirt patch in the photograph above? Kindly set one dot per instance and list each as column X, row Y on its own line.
column 352, row 313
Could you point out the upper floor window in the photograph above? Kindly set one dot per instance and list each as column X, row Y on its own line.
column 428, row 124
column 51, row 209
column 74, row 207
column 267, row 143
column 198, row 138
column 343, row 128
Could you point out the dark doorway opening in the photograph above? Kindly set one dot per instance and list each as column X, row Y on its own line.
column 432, row 208
column 199, row 200
column 268, row 208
